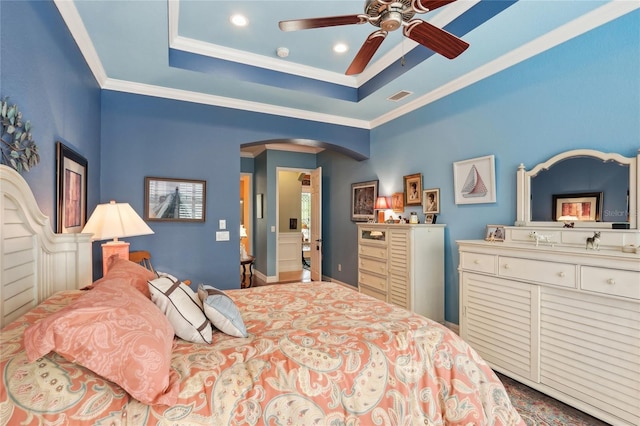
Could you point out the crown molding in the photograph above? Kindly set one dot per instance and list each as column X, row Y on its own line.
column 214, row 100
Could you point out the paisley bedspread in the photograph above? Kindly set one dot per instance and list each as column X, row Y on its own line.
column 316, row 354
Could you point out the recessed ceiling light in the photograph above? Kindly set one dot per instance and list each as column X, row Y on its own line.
column 340, row 47
column 239, row 20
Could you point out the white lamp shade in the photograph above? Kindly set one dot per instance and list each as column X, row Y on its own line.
column 115, row 220
column 243, row 231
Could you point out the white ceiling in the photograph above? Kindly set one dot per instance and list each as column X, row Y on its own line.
column 189, row 50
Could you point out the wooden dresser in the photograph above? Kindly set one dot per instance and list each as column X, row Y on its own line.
column 403, row 264
column 561, row 319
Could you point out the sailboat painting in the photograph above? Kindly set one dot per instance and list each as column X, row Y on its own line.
column 474, row 180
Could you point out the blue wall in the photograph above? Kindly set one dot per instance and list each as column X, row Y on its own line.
column 583, row 94
column 43, row 72
column 146, row 136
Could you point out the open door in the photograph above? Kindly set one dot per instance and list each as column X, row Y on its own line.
column 316, row 224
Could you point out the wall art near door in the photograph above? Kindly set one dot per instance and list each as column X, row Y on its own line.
column 363, row 198
column 171, row 199
column 71, row 190
column 474, row 180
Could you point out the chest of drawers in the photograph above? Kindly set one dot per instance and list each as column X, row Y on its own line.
column 565, row 321
column 403, row 264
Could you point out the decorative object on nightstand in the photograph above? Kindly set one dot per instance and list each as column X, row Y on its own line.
column 115, row 220
column 381, row 206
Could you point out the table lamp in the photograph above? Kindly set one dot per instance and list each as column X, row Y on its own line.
column 381, row 205
column 115, row 220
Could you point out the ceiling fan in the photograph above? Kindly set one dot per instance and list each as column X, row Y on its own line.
column 389, row 15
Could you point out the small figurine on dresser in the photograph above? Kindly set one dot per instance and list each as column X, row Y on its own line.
column 540, row 238
column 594, row 242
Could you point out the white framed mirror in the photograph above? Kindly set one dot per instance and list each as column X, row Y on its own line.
column 609, row 196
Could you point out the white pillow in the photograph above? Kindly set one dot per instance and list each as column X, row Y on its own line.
column 182, row 307
column 221, row 311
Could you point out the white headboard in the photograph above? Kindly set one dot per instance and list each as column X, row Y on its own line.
column 34, row 262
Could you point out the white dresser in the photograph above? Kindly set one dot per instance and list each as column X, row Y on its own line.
column 403, row 264
column 562, row 319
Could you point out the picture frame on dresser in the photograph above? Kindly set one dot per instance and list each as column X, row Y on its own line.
column 494, row 233
column 161, row 196
column 363, row 198
column 71, row 190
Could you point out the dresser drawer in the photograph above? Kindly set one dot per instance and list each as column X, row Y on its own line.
column 561, row 274
column 373, row 293
column 373, row 251
column 611, row 281
column 478, row 262
column 373, row 265
column 373, row 281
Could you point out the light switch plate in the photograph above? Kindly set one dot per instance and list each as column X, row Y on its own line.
column 222, row 224
column 222, row 236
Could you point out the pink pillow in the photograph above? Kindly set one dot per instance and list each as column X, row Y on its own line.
column 134, row 274
column 117, row 333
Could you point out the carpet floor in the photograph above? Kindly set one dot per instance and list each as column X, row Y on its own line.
column 538, row 409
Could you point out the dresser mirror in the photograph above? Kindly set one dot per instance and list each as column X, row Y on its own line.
column 580, row 188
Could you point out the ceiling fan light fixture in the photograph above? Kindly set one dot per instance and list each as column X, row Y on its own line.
column 239, row 20
column 340, row 48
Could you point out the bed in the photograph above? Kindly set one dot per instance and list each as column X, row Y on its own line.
column 314, row 353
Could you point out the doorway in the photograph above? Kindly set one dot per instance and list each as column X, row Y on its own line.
column 298, row 248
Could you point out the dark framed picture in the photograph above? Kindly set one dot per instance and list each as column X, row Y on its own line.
column 413, row 189
column 71, row 190
column 397, row 202
column 430, row 218
column 494, row 233
column 172, row 199
column 431, row 200
column 363, row 199
column 260, row 206
column 579, row 207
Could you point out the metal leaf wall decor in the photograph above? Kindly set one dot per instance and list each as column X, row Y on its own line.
column 17, row 147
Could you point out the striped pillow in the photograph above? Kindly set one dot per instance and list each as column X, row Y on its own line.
column 182, row 307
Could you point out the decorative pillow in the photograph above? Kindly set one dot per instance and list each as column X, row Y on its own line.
column 182, row 307
column 136, row 275
column 117, row 333
column 221, row 311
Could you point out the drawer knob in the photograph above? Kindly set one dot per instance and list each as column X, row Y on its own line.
column 477, row 262
column 561, row 274
column 611, row 281
column 507, row 266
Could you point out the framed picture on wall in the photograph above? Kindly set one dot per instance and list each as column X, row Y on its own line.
column 474, row 180
column 431, row 200
column 71, row 190
column 363, row 199
column 397, row 202
column 413, row 189
column 172, row 199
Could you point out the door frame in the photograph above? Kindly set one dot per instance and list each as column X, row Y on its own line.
column 277, row 218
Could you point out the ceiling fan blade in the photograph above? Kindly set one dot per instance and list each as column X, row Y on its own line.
column 366, row 52
column 436, row 39
column 329, row 21
column 423, row 6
